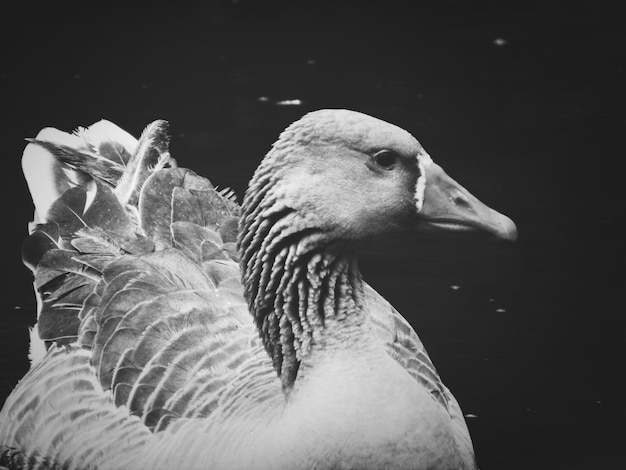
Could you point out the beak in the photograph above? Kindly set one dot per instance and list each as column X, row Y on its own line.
column 446, row 205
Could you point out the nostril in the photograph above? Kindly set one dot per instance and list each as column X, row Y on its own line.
column 459, row 200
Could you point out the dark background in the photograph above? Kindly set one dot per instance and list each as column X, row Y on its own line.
column 522, row 102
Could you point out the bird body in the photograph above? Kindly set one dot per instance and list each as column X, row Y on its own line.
column 351, row 412
column 186, row 331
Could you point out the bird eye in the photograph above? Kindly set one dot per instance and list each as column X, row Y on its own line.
column 386, row 159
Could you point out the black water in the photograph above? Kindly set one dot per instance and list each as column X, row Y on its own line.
column 522, row 102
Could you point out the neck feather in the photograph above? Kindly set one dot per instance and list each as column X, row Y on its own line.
column 297, row 281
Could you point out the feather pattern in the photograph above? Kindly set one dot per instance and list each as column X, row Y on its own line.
column 153, row 358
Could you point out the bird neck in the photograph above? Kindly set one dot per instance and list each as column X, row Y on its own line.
column 303, row 288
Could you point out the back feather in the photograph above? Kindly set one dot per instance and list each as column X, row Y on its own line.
column 98, row 194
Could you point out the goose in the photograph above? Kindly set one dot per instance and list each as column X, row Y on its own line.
column 183, row 330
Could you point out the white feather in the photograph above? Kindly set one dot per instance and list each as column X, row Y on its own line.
column 105, row 131
column 37, row 347
column 423, row 160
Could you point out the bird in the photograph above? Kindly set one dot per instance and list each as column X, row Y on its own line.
column 179, row 328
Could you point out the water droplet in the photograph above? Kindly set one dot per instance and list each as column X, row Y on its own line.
column 289, row 103
column 455, row 287
column 500, row 42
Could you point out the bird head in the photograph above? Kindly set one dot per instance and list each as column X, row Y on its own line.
column 358, row 178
